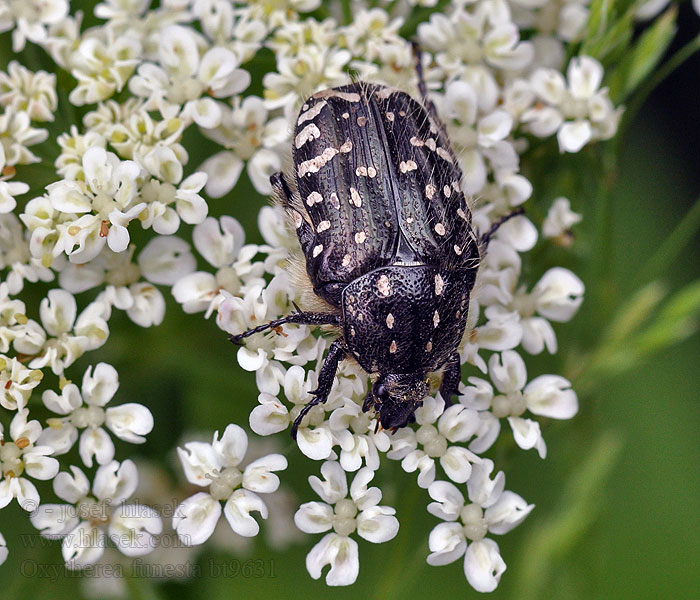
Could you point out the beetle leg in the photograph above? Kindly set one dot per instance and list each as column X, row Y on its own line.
column 422, row 88
column 451, row 377
column 486, row 238
column 303, row 318
column 336, row 353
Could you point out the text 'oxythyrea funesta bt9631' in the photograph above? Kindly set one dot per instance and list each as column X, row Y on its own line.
column 387, row 236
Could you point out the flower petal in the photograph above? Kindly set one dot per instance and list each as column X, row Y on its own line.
column 341, row 553
column 196, row 517
column 483, row 565
column 237, row 512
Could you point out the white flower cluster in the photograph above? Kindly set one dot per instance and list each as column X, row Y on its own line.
column 153, row 78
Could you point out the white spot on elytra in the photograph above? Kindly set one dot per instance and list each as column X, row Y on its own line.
column 346, row 147
column 346, row 260
column 462, row 214
column 436, row 319
column 314, row 197
column 335, row 201
column 439, row 284
column 430, row 143
column 333, row 93
column 308, row 134
column 323, row 225
column 360, row 237
column 393, row 347
column 390, row 321
column 371, row 172
column 313, row 165
column 361, row 121
column 440, row 229
column 407, row 165
column 317, row 250
column 429, row 346
column 383, row 285
column 361, row 171
column 447, row 191
column 458, row 250
column 346, row 115
column 430, row 190
column 416, row 141
column 444, row 155
column 312, row 113
column 389, row 116
column 355, row 197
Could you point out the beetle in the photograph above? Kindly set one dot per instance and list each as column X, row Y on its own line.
column 388, row 242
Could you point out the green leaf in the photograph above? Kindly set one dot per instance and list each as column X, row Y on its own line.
column 615, row 38
column 600, row 15
column 677, row 320
column 639, row 62
column 672, row 246
column 634, row 313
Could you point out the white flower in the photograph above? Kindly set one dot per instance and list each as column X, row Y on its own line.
column 472, row 34
column 102, row 63
column 20, row 457
column 85, row 409
column 546, row 395
column 355, row 433
column 216, row 466
column 248, row 135
column 310, row 69
column 30, row 19
column 183, row 77
column 221, row 244
column 107, row 201
column 577, row 109
column 166, row 259
column 478, row 133
column 491, row 510
column 34, row 93
column 16, row 383
column 438, row 428
column 555, row 297
column 560, row 219
column 3, row 549
column 360, row 512
column 70, row 337
column 16, row 135
column 16, row 258
column 83, row 522
column 314, row 436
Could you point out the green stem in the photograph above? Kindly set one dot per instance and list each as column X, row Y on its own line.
column 394, row 575
column 671, row 247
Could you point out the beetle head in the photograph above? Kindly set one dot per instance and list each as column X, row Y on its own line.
column 396, row 397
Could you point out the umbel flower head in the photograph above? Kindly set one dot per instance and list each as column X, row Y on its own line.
column 217, row 467
column 142, row 202
column 360, row 512
column 90, row 514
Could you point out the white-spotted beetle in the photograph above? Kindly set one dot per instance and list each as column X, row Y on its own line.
column 387, row 236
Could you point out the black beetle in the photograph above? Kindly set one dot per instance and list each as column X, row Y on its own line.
column 386, row 232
